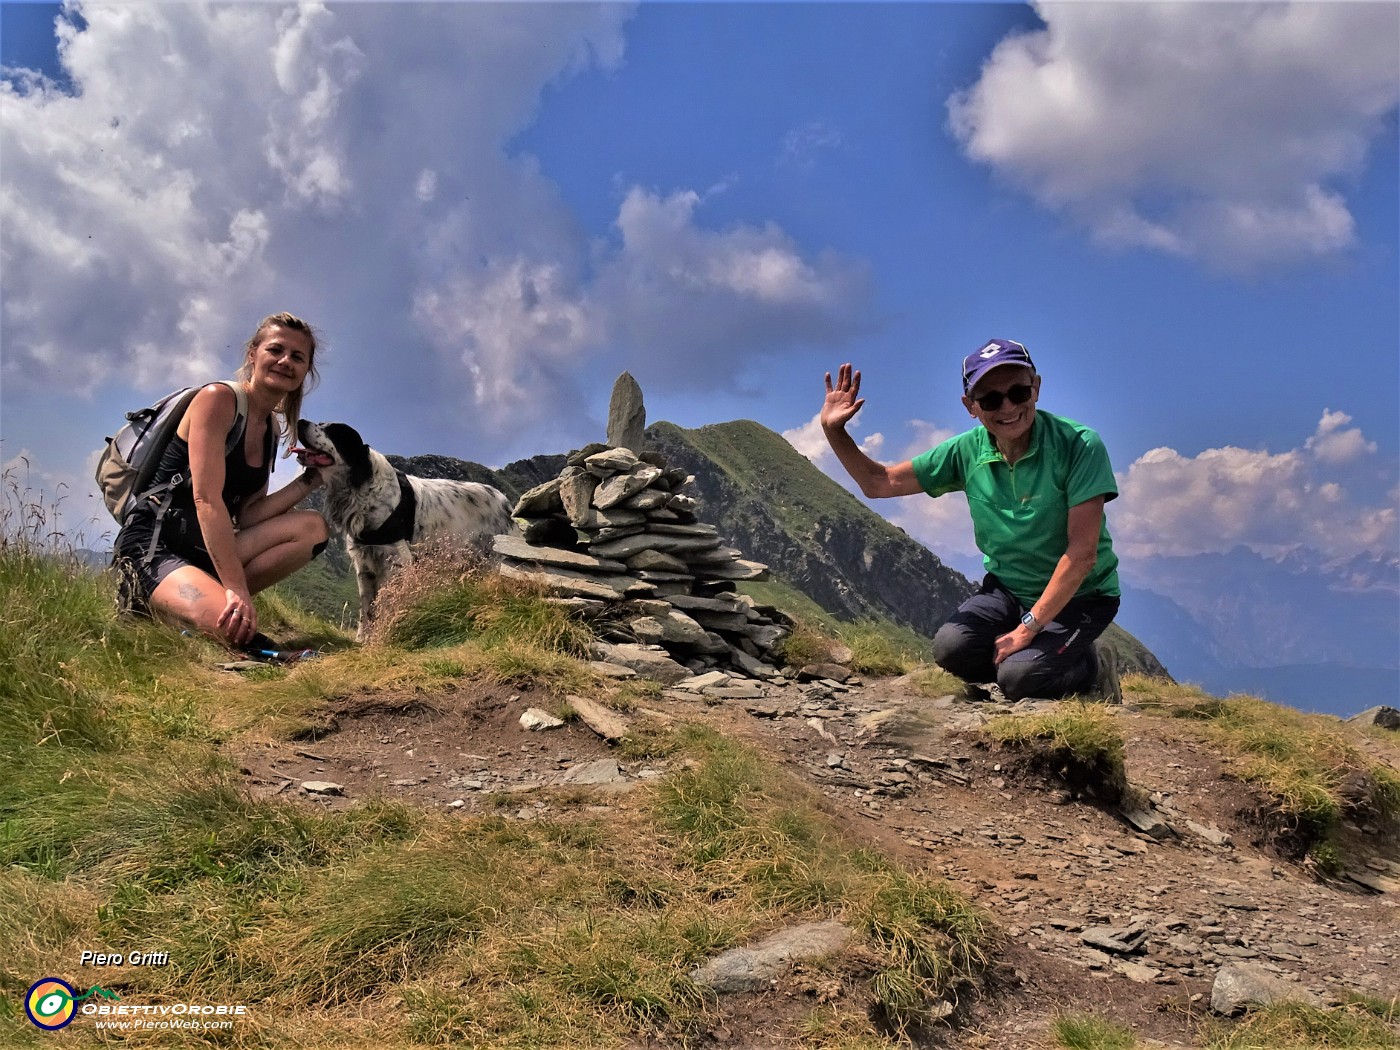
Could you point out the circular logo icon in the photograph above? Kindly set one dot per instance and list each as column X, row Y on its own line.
column 49, row 1003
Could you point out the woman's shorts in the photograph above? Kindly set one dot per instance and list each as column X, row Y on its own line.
column 180, row 543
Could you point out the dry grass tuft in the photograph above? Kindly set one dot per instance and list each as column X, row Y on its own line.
column 1079, row 742
column 1313, row 775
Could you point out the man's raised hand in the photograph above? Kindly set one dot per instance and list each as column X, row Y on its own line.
column 843, row 400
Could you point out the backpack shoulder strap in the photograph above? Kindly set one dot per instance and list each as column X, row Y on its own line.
column 240, row 415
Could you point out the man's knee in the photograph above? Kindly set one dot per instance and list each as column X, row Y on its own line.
column 1040, row 676
column 951, row 644
column 1020, row 679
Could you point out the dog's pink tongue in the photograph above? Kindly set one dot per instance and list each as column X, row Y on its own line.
column 307, row 458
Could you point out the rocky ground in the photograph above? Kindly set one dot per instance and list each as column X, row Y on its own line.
column 1097, row 915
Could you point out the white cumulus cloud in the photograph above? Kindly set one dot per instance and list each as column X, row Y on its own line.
column 1334, row 442
column 1226, row 131
column 811, row 442
column 712, row 297
column 1180, row 505
column 354, row 164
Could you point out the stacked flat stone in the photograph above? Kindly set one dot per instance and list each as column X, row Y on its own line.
column 615, row 535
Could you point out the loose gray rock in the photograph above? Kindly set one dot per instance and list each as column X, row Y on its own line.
column 516, row 547
column 580, row 457
column 656, row 561
column 1137, row 972
column 622, row 487
column 322, row 787
column 751, row 665
column 1213, row 835
column 567, row 581
column 536, row 719
column 610, row 670
column 1239, row 986
column 576, row 493
column 1385, row 717
column 616, row 518
column 813, row 672
column 696, row 529
column 1118, row 940
column 755, row 968
column 650, row 663
column 739, row 569
column 736, row 691
column 1146, row 820
column 702, row 681
column 610, row 461
column 540, row 501
column 601, row 771
column 690, row 603
column 632, row 545
column 676, row 627
column 647, row 499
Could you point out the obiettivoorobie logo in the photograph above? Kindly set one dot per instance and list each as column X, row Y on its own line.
column 51, row 1002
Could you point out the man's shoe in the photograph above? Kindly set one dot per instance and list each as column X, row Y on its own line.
column 972, row 693
column 1106, row 683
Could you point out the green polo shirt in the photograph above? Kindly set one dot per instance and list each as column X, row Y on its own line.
column 1020, row 514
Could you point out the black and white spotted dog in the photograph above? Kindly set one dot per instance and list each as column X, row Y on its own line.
column 384, row 511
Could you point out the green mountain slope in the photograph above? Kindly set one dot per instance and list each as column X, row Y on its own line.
column 773, row 504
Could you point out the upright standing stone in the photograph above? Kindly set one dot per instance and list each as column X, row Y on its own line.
column 627, row 416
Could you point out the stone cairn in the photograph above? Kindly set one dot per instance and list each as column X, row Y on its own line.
column 615, row 536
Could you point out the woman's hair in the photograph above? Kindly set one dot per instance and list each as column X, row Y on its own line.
column 290, row 407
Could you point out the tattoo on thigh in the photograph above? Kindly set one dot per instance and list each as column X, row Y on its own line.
column 189, row 592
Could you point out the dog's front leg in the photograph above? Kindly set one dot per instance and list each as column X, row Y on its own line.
column 367, row 573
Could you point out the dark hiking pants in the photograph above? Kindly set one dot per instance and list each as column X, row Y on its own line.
column 1058, row 662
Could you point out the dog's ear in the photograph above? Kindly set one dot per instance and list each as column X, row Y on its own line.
column 352, row 449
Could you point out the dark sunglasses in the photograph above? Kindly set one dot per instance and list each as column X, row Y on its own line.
column 1017, row 395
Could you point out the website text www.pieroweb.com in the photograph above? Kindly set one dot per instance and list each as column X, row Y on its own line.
column 52, row 1003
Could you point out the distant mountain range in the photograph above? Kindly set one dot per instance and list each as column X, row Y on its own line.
column 1302, row 630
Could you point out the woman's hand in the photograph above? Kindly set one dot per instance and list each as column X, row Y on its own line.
column 312, row 478
column 239, row 620
column 843, row 400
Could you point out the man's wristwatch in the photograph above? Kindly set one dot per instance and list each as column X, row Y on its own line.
column 1030, row 621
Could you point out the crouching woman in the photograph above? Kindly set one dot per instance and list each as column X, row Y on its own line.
column 222, row 537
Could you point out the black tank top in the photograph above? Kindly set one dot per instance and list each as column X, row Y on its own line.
column 240, row 480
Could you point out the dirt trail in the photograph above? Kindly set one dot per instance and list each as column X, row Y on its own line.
column 915, row 776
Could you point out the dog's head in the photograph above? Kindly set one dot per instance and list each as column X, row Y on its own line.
column 334, row 447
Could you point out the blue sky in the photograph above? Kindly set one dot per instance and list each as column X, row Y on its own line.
column 1187, row 212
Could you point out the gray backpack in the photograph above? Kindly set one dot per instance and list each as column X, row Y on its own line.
column 133, row 453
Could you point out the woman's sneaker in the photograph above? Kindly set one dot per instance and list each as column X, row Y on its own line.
column 1107, row 684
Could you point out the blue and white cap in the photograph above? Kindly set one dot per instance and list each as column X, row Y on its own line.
column 994, row 354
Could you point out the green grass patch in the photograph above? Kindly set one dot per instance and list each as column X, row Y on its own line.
column 1313, row 774
column 1387, row 1010
column 447, row 597
column 869, row 647
column 1297, row 1026
column 123, row 823
column 746, row 830
column 1091, row 1032
column 1079, row 742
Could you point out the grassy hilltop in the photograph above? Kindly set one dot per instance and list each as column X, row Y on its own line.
column 141, row 809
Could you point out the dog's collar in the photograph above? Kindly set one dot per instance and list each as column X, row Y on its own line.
column 398, row 525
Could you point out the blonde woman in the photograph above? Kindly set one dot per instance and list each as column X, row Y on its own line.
column 223, row 537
